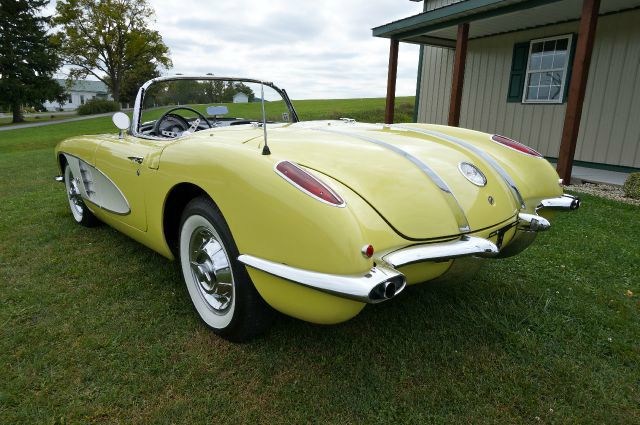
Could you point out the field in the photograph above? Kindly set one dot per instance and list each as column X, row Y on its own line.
column 95, row 328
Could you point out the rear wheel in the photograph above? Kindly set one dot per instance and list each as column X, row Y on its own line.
column 79, row 210
column 219, row 286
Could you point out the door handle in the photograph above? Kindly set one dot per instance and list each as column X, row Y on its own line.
column 136, row 159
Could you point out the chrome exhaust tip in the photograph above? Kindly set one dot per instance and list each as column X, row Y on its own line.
column 564, row 202
column 388, row 289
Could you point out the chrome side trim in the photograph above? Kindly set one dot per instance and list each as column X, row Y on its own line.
column 97, row 188
column 377, row 285
column 532, row 223
column 486, row 157
column 564, row 202
column 456, row 208
column 465, row 247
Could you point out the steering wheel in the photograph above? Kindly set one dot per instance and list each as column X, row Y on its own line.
column 178, row 123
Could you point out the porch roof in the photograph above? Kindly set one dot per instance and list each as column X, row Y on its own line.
column 488, row 17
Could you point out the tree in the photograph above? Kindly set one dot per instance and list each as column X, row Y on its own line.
column 138, row 75
column 28, row 57
column 111, row 40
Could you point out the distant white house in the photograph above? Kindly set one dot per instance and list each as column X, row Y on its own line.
column 80, row 92
column 240, row 98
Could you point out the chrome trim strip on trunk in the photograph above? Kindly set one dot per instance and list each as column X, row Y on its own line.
column 486, row 157
column 465, row 247
column 377, row 285
column 456, row 208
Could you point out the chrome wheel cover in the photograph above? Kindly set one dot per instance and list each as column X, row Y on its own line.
column 73, row 194
column 210, row 269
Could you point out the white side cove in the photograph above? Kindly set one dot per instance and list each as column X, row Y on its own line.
column 97, row 188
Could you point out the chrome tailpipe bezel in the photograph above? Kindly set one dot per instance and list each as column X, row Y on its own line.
column 563, row 203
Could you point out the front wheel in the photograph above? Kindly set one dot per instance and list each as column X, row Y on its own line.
column 79, row 210
column 219, row 286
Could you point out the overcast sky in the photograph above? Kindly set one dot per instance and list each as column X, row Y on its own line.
column 314, row 49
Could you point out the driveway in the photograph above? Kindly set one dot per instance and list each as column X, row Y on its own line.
column 43, row 123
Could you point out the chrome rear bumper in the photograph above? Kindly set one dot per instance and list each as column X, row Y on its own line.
column 384, row 282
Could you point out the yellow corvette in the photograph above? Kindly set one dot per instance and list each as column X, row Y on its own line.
column 313, row 219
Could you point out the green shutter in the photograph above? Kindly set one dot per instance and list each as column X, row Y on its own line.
column 572, row 53
column 518, row 72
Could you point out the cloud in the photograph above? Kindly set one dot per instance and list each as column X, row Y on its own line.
column 314, row 49
column 321, row 49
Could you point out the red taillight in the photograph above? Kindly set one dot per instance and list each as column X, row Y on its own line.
column 510, row 143
column 308, row 183
column 367, row 251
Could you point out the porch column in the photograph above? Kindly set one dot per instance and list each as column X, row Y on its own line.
column 577, row 88
column 457, row 82
column 391, row 81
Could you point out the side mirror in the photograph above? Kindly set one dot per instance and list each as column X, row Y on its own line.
column 122, row 121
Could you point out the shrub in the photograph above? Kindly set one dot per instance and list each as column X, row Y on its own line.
column 98, row 106
column 632, row 186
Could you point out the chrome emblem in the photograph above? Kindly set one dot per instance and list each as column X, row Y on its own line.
column 472, row 173
column 490, row 199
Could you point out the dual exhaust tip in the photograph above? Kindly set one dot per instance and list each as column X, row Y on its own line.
column 564, row 202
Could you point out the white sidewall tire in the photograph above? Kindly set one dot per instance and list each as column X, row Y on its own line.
column 77, row 216
column 212, row 318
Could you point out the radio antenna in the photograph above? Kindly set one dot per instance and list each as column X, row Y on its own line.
column 265, row 148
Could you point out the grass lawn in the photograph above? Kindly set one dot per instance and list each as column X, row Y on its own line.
column 95, row 328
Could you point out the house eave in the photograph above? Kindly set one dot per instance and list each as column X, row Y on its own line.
column 488, row 18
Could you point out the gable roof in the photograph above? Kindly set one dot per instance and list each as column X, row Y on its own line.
column 85, row 86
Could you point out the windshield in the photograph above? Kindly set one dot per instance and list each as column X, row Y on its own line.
column 178, row 107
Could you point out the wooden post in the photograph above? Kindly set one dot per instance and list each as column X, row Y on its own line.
column 391, row 82
column 579, row 77
column 457, row 82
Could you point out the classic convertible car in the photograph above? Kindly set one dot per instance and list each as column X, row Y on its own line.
column 313, row 219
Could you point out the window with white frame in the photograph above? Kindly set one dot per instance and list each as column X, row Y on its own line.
column 547, row 69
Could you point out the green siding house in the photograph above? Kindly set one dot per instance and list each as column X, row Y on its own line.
column 562, row 76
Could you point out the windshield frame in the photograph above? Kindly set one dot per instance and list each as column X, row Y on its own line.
column 137, row 108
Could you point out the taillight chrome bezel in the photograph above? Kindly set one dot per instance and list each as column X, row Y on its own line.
column 286, row 178
column 526, row 150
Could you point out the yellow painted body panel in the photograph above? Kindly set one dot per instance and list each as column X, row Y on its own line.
column 389, row 203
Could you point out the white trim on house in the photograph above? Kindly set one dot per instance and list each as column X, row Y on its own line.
column 563, row 69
